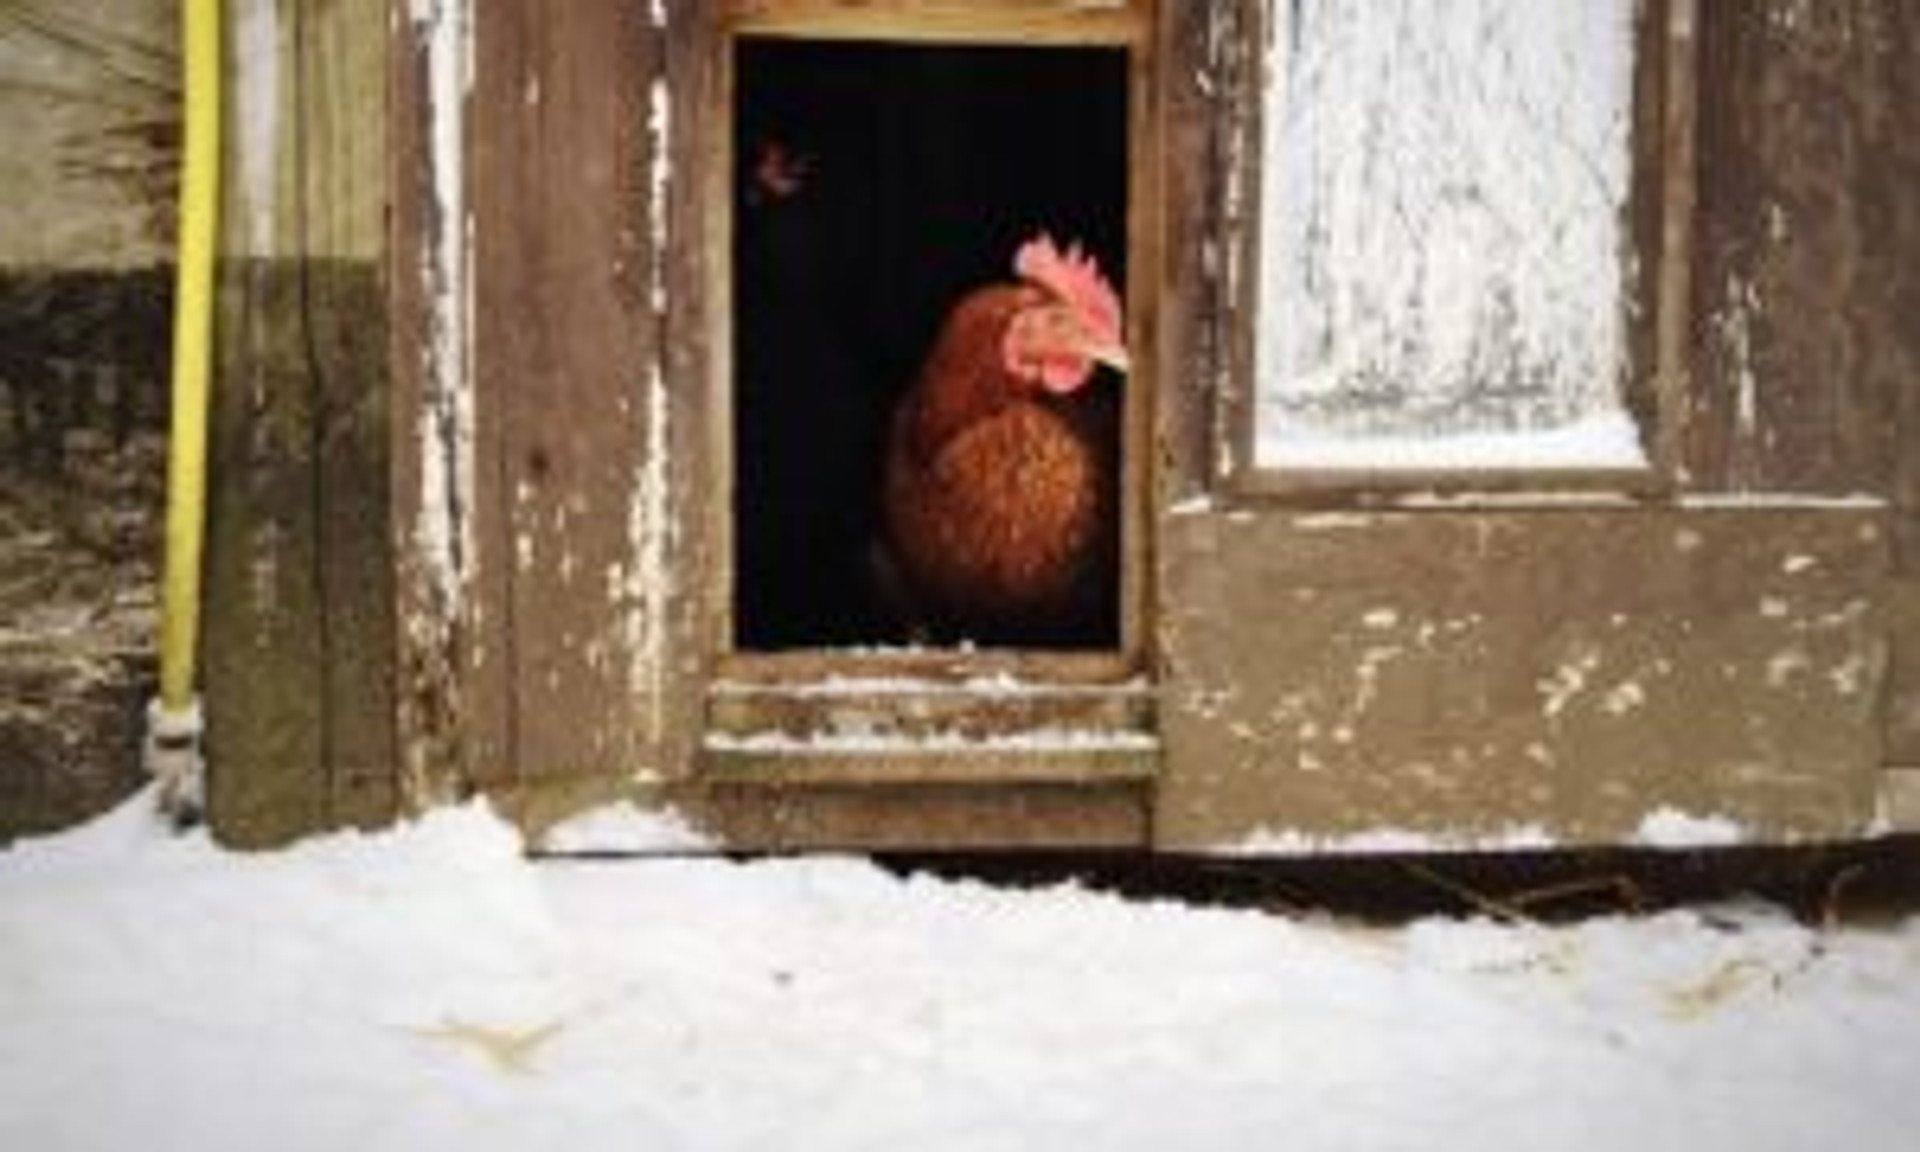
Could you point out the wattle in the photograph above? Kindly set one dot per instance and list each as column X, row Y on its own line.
column 1064, row 374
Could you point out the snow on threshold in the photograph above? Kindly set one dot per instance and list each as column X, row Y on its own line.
column 429, row 988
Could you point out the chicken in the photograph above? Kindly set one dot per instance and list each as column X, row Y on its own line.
column 1001, row 487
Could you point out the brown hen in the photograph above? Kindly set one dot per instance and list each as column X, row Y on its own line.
column 1001, row 479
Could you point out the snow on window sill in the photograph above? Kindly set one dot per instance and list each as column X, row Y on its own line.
column 1607, row 442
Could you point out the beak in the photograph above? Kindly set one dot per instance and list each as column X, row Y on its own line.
column 1113, row 356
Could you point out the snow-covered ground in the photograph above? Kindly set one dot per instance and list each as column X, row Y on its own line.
column 428, row 988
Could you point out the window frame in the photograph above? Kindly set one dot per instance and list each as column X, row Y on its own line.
column 1128, row 25
column 1657, row 229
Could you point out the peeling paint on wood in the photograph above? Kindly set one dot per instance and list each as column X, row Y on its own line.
column 443, row 520
column 443, row 531
column 1809, row 219
column 563, row 648
column 1458, row 675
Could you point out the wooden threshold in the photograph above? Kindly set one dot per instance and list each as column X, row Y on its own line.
column 842, row 730
column 813, row 666
column 1078, row 759
column 902, row 709
column 958, row 816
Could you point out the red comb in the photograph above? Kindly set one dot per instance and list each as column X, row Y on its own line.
column 1074, row 277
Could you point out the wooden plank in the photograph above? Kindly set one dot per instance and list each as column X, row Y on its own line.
column 1803, row 339
column 708, row 278
column 1473, row 674
column 261, row 646
column 1198, row 91
column 509, row 316
column 576, row 436
column 340, row 196
column 578, row 494
column 354, row 545
column 734, row 763
column 423, row 731
column 299, row 637
column 1895, row 263
column 1146, row 226
column 450, row 703
column 694, row 172
column 947, row 818
column 1804, row 347
column 953, row 664
column 1717, row 449
column 1666, row 114
column 1333, row 487
column 1237, row 244
column 1030, row 22
column 976, row 709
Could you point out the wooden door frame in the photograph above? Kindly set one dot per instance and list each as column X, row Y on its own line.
column 1130, row 27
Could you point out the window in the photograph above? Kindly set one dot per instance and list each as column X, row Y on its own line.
column 1454, row 217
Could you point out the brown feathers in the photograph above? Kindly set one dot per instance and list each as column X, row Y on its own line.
column 1000, row 496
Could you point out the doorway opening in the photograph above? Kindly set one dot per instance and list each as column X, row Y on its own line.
column 874, row 186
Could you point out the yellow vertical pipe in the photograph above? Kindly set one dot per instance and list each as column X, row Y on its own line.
column 192, row 356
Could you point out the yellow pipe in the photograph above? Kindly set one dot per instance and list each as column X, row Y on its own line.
column 192, row 360
column 175, row 716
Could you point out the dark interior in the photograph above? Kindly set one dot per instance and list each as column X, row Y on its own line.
column 875, row 185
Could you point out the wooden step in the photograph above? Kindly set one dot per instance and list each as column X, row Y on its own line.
column 1053, row 757
column 882, row 708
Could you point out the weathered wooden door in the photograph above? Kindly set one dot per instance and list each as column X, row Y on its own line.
column 545, row 403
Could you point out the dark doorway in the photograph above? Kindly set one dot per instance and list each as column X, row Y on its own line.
column 876, row 184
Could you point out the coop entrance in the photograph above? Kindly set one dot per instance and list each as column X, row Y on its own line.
column 874, row 185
